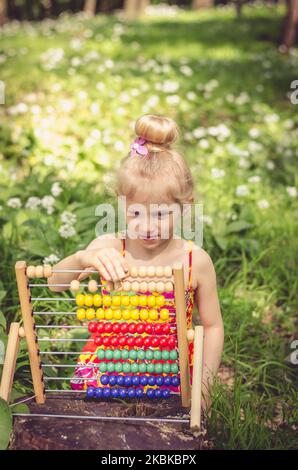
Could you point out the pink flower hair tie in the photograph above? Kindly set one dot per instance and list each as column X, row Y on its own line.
column 138, row 147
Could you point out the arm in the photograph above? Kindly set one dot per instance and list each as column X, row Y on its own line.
column 206, row 299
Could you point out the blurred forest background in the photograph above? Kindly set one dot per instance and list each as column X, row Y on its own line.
column 75, row 75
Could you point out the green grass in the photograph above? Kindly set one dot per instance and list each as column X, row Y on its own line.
column 71, row 123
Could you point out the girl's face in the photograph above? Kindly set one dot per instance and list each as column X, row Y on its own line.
column 149, row 220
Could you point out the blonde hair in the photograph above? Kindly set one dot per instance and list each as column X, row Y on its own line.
column 163, row 166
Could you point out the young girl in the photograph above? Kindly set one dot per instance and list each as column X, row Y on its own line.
column 154, row 173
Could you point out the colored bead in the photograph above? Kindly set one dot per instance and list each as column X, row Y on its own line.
column 110, row 366
column 151, row 271
column 105, row 341
column 140, row 328
column 88, row 300
column 30, row 271
column 143, row 380
column 133, row 354
column 174, row 368
column 104, row 379
column 139, row 341
column 175, row 381
column 114, row 341
column 132, row 327
column 150, row 368
column 112, row 380
column 144, row 314
column 139, row 393
column 106, row 300
column 166, row 329
column 106, row 393
column 130, row 341
column 141, row 355
column 100, row 314
column 122, row 393
column 158, row 393
column 126, row 367
column 100, row 327
column 109, row 314
column 81, row 314
column 134, row 301
column 166, row 368
column 117, row 315
column 164, row 314
column 115, row 393
column 116, row 328
column 172, row 342
column 149, row 355
column 135, row 314
column 131, row 393
column 92, row 286
column 150, row 393
column 120, row 380
column 118, row 367
column 98, row 392
column 80, row 300
column 155, row 342
column 97, row 300
column 167, row 380
column 173, row 355
column 117, row 354
column 165, row 393
column 116, row 300
column 160, row 300
column 157, row 355
column 142, row 368
column 100, row 353
column 163, row 343
column 158, row 368
column 124, row 328
column 90, row 392
column 90, row 313
column 75, row 285
column 158, row 329
column 98, row 341
column 151, row 300
column 135, row 380
column 165, row 355
column 127, row 381
column 109, row 354
column 102, row 367
column 134, row 367
column 148, row 329
column 125, row 354
column 47, row 270
column 153, row 314
column 159, row 380
column 143, row 300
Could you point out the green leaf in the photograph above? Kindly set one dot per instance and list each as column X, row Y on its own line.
column 20, row 408
column 2, row 319
column 5, row 424
column 36, row 247
column 238, row 226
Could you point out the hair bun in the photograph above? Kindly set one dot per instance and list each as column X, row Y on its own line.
column 157, row 129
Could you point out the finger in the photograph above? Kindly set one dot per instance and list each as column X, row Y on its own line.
column 108, row 263
column 83, row 275
column 102, row 269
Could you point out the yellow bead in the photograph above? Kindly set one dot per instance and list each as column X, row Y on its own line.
column 100, row 313
column 80, row 300
column 144, row 314
column 160, row 300
column 126, row 314
column 151, row 301
column 88, row 300
column 134, row 300
column 153, row 314
column 117, row 315
column 116, row 300
column 125, row 300
column 135, row 314
column 107, row 301
column 143, row 300
column 97, row 300
column 81, row 314
column 109, row 314
column 164, row 314
column 90, row 313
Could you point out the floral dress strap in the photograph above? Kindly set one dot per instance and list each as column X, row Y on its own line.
column 189, row 263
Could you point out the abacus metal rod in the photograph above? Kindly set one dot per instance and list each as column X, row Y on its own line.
column 61, row 353
column 57, row 270
column 54, row 299
column 65, row 340
column 59, row 285
column 54, row 313
column 82, row 392
column 61, row 326
column 104, row 418
column 89, row 379
column 86, row 366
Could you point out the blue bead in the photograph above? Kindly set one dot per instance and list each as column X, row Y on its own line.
column 104, row 379
column 112, row 380
column 106, row 392
column 122, row 393
column 120, row 380
column 167, row 380
column 90, row 392
column 150, row 393
column 127, row 381
column 139, row 393
column 98, row 392
column 143, row 380
column 166, row 393
column 158, row 393
column 131, row 393
column 175, row 381
column 135, row 380
column 151, row 380
column 159, row 380
column 115, row 392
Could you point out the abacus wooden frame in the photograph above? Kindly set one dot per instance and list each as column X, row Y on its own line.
column 190, row 395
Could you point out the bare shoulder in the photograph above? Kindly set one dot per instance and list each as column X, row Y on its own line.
column 202, row 263
column 107, row 240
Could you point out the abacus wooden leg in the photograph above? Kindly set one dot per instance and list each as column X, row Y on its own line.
column 182, row 335
column 10, row 361
column 30, row 334
column 196, row 391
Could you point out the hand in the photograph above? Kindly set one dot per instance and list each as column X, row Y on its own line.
column 107, row 261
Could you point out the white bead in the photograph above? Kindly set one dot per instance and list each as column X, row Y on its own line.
column 134, row 271
column 159, row 271
column 47, row 270
column 39, row 271
column 30, row 271
column 126, row 286
column 152, row 286
column 142, row 271
column 135, row 286
column 160, row 287
column 143, row 286
column 168, row 287
column 168, row 271
column 151, row 271
column 75, row 285
column 92, row 285
column 190, row 334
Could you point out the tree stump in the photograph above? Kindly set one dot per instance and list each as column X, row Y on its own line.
column 68, row 434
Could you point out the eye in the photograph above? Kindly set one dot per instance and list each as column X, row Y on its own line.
column 134, row 213
column 161, row 214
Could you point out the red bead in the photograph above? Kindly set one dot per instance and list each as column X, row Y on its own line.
column 105, row 340
column 163, row 343
column 114, row 341
column 148, row 328
column 166, row 329
column 92, row 327
column 172, row 341
column 147, row 342
column 132, row 328
column 116, row 328
column 130, row 341
column 139, row 341
column 98, row 341
column 158, row 329
column 108, row 328
column 100, row 327
column 122, row 341
column 140, row 328
column 155, row 342
column 124, row 328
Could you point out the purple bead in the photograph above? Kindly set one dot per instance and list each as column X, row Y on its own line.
column 159, row 380
column 158, row 393
column 127, row 381
column 106, row 393
column 122, row 393
column 139, row 393
column 167, row 380
column 90, row 392
column 150, row 393
column 104, row 379
column 131, row 393
column 98, row 392
column 120, row 380
column 175, row 381
column 143, row 380
column 115, row 392
column 151, row 380
column 112, row 380
column 135, row 380
column 165, row 393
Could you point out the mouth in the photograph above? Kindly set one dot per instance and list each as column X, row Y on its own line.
column 148, row 239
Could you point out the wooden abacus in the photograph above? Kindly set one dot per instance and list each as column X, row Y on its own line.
column 152, row 280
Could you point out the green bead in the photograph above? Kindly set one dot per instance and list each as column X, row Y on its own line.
column 126, row 367
column 141, row 354
column 166, row 368
column 174, row 368
column 111, row 367
column 117, row 354
column 157, row 355
column 150, row 368
column 142, row 367
column 149, row 355
column 158, row 368
column 118, row 367
column 109, row 354
column 100, row 354
column 134, row 367
column 165, row 355
column 133, row 354
column 124, row 354
column 103, row 367
column 173, row 355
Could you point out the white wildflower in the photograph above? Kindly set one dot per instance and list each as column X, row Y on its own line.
column 14, row 202
column 68, row 218
column 56, row 189
column 270, row 165
column 186, row 70
column 67, row 231
column 48, row 202
column 218, row 172
column 244, row 163
column 242, row 190
column 254, row 133
column 292, row 191
column 199, row 132
column 33, row 202
column 173, row 99
column 263, row 204
column 207, row 219
column 254, row 179
column 204, row 144
column 51, row 259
